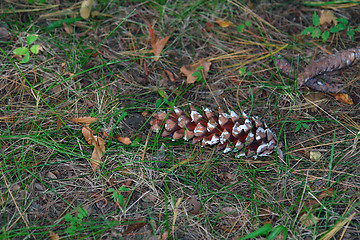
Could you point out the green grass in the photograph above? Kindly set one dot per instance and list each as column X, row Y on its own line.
column 47, row 183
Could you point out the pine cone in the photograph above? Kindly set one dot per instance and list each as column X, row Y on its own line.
column 248, row 137
column 330, row 63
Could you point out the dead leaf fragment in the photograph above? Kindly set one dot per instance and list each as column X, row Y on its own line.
column 53, row 235
column 343, row 97
column 99, row 147
column 137, row 224
column 84, row 120
column 124, row 140
column 315, row 156
column 223, row 23
column 85, row 9
column 196, row 205
column 327, row 17
column 156, row 43
column 308, row 220
column 189, row 70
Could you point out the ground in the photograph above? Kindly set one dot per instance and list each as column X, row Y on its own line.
column 98, row 76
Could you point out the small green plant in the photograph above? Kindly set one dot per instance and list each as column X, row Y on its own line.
column 342, row 24
column 300, row 124
column 76, row 222
column 242, row 72
column 25, row 51
column 268, row 229
column 117, row 196
column 241, row 27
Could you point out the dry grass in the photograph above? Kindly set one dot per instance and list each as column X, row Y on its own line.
column 103, row 68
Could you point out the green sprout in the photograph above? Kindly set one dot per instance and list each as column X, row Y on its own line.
column 25, row 51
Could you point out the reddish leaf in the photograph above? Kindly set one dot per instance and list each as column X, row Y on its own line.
column 156, row 43
column 189, row 70
column 137, row 224
column 124, row 140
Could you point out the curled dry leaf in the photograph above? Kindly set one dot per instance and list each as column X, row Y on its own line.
column 156, row 43
column 99, row 147
column 124, row 140
column 135, row 225
column 53, row 235
column 223, row 23
column 189, row 70
column 84, row 120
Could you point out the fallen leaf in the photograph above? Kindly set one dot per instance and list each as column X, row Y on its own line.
column 99, row 147
column 343, row 97
column 327, row 17
column 315, row 156
column 53, row 235
column 85, row 9
column 135, row 225
column 196, row 205
column 170, row 75
column 189, row 70
column 156, row 43
column 308, row 220
column 58, row 123
column 84, row 120
column 223, row 23
column 124, row 140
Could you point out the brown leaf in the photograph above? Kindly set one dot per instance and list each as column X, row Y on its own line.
column 308, row 219
column 223, row 23
column 196, row 205
column 327, row 17
column 170, row 75
column 189, row 70
column 156, row 43
column 124, row 140
column 84, row 120
column 137, row 224
column 58, row 123
column 99, row 147
column 53, row 235
column 343, row 97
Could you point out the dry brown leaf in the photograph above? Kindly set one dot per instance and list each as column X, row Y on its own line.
column 156, row 43
column 84, row 120
column 327, row 17
column 58, row 123
column 137, row 224
column 196, row 205
column 223, row 23
column 85, row 9
column 308, row 219
column 170, row 75
column 124, row 140
column 189, row 70
column 53, row 235
column 343, row 97
column 99, row 147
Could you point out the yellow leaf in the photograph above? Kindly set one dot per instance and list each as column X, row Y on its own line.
column 85, row 9
column 223, row 23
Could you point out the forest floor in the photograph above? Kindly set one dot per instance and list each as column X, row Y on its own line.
column 77, row 95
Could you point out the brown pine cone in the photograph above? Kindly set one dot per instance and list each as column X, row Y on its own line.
column 246, row 136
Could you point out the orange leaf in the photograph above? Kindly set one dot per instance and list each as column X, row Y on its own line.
column 156, row 43
column 99, row 147
column 124, row 140
column 84, row 120
column 343, row 97
column 223, row 23
column 189, row 70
